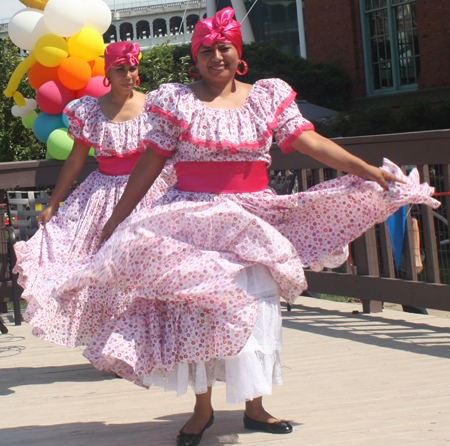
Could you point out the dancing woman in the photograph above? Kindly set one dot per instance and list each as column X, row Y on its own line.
column 208, row 265
column 115, row 126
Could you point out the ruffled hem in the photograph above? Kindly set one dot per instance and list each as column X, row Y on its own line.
column 137, row 346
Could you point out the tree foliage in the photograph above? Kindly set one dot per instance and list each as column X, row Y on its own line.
column 319, row 83
column 16, row 142
column 163, row 64
column 384, row 120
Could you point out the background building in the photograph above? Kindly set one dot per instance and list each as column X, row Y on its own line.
column 394, row 50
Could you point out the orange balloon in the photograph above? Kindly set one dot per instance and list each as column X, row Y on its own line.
column 97, row 66
column 74, row 73
column 40, row 74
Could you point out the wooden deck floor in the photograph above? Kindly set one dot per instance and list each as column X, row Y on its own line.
column 349, row 379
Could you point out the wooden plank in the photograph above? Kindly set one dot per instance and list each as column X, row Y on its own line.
column 429, row 231
column 23, row 174
column 404, row 292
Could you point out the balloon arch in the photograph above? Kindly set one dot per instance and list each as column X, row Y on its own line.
column 65, row 41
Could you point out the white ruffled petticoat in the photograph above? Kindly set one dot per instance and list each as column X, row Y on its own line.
column 251, row 373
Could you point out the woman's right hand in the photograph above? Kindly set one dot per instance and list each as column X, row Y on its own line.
column 45, row 216
column 107, row 231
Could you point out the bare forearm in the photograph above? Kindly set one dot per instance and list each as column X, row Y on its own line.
column 69, row 173
column 329, row 153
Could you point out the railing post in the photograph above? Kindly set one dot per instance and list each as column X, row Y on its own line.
column 3, row 252
column 366, row 259
column 429, row 231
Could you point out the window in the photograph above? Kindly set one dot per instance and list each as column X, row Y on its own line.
column 391, row 47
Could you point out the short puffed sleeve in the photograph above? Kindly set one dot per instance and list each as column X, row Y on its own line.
column 168, row 117
column 287, row 121
column 78, row 112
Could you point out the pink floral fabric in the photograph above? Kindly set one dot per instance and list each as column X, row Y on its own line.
column 73, row 235
column 90, row 127
column 191, row 131
column 177, row 261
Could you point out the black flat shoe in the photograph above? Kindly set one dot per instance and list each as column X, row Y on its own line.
column 193, row 439
column 280, row 427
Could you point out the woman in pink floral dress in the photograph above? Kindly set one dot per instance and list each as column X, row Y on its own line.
column 208, row 265
column 115, row 126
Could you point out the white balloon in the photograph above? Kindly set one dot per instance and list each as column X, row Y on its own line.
column 98, row 15
column 65, row 18
column 15, row 110
column 22, row 26
column 39, row 30
column 22, row 112
column 31, row 103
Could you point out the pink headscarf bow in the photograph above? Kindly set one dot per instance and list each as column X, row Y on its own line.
column 119, row 53
column 222, row 28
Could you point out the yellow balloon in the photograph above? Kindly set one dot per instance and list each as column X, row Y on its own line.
column 36, row 4
column 51, row 50
column 87, row 44
column 19, row 99
column 18, row 74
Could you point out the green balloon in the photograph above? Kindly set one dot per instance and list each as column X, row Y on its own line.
column 91, row 152
column 48, row 156
column 59, row 144
column 29, row 120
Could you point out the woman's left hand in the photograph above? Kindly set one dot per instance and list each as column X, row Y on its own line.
column 380, row 176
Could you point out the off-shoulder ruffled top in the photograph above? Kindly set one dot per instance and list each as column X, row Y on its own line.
column 184, row 127
column 90, row 127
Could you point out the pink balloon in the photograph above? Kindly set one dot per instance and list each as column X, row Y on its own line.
column 94, row 88
column 52, row 97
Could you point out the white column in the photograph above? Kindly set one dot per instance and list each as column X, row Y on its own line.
column 246, row 27
column 301, row 28
column 210, row 8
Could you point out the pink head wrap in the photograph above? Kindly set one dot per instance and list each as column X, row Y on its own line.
column 119, row 53
column 222, row 28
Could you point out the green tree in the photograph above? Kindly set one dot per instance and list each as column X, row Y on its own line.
column 16, row 142
column 163, row 64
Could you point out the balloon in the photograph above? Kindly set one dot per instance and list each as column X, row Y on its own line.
column 97, row 66
column 98, row 15
column 45, row 124
column 94, row 88
column 29, row 120
column 65, row 17
column 87, row 44
column 51, row 50
column 59, row 144
column 31, row 103
column 48, row 156
column 22, row 112
column 74, row 73
column 21, row 28
column 40, row 74
column 39, row 30
column 18, row 74
column 52, row 97
column 64, row 116
column 38, row 4
column 91, row 152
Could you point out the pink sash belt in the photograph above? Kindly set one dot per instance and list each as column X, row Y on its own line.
column 222, row 177
column 117, row 165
